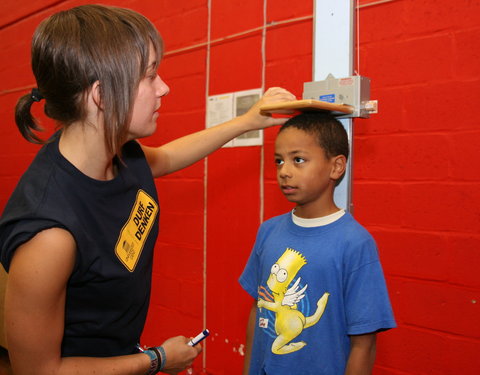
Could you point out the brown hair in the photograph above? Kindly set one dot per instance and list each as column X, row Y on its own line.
column 329, row 132
column 73, row 49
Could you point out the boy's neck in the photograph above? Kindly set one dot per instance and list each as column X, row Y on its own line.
column 318, row 221
column 315, row 211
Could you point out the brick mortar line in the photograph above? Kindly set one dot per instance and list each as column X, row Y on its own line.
column 241, row 34
column 437, row 332
column 448, row 181
column 432, row 282
column 210, row 43
column 28, row 15
column 406, row 230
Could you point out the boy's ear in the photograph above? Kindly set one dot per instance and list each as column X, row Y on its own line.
column 339, row 164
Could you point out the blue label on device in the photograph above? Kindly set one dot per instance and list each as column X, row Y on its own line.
column 328, row 98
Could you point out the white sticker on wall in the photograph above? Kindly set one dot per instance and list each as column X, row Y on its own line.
column 243, row 101
column 224, row 107
column 219, row 110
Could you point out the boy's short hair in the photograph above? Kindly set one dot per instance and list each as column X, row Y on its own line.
column 330, row 133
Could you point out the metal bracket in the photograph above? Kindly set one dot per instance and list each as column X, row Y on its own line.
column 353, row 91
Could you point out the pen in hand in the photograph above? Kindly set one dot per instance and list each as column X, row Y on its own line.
column 201, row 336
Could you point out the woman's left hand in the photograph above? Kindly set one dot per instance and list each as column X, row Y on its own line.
column 259, row 120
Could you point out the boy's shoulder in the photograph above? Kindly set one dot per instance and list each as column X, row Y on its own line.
column 354, row 233
column 273, row 224
column 276, row 221
column 354, row 225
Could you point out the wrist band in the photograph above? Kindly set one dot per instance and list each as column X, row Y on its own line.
column 154, row 361
column 162, row 357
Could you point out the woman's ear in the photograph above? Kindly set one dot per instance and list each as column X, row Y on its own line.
column 339, row 165
column 95, row 93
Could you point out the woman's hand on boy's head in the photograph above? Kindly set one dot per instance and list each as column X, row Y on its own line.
column 260, row 120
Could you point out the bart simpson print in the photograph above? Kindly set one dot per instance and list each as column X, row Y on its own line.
column 289, row 322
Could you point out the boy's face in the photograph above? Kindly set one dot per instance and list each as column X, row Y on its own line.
column 304, row 173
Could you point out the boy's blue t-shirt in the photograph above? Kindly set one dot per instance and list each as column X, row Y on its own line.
column 316, row 286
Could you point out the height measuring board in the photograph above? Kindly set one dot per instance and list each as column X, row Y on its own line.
column 333, row 52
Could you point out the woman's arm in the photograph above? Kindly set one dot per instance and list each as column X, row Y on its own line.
column 187, row 150
column 34, row 315
column 362, row 354
column 252, row 318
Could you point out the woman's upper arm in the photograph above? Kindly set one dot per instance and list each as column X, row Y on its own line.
column 35, row 301
column 157, row 159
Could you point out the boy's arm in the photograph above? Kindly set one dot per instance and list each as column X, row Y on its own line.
column 362, row 354
column 249, row 342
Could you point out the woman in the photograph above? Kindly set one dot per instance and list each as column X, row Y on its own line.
column 78, row 233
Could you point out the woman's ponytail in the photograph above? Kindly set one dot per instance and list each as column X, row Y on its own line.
column 26, row 123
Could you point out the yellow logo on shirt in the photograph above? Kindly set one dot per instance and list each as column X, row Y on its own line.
column 135, row 231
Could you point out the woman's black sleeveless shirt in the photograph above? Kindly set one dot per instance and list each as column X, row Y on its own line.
column 114, row 224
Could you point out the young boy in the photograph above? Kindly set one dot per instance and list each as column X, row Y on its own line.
column 320, row 295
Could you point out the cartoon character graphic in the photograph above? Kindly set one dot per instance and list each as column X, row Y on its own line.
column 289, row 322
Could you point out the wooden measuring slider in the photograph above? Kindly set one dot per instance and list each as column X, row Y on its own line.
column 307, row 105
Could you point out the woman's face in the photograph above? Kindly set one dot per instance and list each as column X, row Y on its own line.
column 147, row 101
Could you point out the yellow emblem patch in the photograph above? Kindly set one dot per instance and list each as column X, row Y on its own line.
column 135, row 231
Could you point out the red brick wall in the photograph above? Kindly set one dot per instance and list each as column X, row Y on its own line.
column 417, row 178
column 416, row 165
